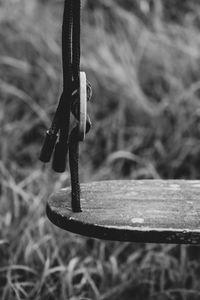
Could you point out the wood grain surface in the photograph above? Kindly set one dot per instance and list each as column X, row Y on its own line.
column 154, row 211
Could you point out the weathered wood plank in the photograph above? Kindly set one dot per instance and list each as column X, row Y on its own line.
column 154, row 211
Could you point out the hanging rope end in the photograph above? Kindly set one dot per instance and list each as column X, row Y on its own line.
column 48, row 146
column 60, row 158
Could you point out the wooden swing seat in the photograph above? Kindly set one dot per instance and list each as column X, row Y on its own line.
column 153, row 211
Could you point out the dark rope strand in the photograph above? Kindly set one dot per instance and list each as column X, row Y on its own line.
column 63, row 111
column 74, row 166
column 62, row 116
column 74, row 136
column 76, row 40
column 74, row 170
column 67, row 68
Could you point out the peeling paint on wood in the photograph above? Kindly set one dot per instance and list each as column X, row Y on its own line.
column 154, row 211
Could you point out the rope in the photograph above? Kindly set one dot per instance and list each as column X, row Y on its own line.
column 76, row 41
column 64, row 107
column 73, row 140
column 57, row 137
column 61, row 119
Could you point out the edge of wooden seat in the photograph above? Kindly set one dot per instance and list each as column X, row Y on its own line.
column 59, row 212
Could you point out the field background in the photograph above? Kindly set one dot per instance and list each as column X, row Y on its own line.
column 143, row 60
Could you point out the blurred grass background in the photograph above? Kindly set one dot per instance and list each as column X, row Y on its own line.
column 142, row 58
